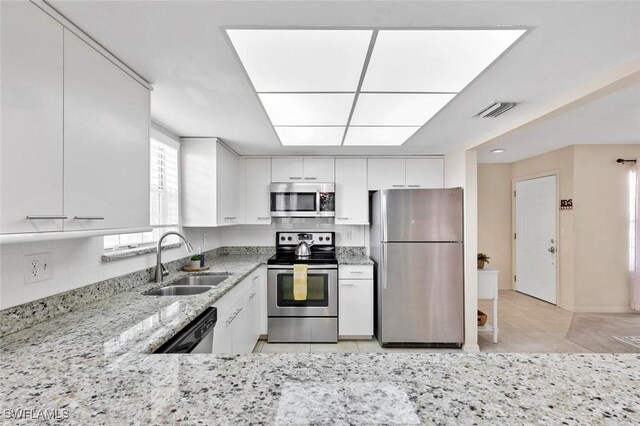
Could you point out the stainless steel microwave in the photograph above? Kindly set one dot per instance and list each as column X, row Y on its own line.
column 303, row 200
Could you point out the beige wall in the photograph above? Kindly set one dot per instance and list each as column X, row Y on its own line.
column 593, row 237
column 601, row 203
column 494, row 218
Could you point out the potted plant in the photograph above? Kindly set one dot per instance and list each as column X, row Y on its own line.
column 195, row 261
column 482, row 259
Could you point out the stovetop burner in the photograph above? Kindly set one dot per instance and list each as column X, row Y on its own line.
column 323, row 248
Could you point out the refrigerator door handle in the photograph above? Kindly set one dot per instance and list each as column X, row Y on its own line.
column 383, row 255
column 383, row 217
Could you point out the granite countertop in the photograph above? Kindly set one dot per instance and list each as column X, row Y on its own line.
column 354, row 259
column 94, row 363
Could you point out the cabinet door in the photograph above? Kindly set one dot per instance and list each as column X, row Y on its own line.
column 257, row 180
column 352, row 195
column 262, row 293
column 106, row 142
column 254, row 316
column 425, row 173
column 386, row 173
column 286, row 170
column 355, row 310
column 227, row 186
column 319, row 170
column 32, row 101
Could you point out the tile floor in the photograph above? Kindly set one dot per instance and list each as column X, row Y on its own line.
column 526, row 324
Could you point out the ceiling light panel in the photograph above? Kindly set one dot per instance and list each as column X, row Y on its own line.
column 296, row 109
column 302, row 60
column 378, row 136
column 433, row 60
column 310, row 136
column 394, row 109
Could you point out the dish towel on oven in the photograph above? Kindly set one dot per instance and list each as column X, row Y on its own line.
column 300, row 282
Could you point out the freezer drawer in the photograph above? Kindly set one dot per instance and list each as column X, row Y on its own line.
column 420, row 293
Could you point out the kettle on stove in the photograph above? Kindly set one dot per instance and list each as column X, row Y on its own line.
column 304, row 249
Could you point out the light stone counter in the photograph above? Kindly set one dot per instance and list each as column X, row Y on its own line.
column 92, row 362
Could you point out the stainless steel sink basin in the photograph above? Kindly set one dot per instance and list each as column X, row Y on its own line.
column 208, row 279
column 189, row 285
column 179, row 290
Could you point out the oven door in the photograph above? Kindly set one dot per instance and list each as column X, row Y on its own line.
column 322, row 292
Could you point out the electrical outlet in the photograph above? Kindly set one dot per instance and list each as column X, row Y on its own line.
column 38, row 267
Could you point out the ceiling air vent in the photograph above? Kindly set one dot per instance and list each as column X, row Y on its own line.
column 495, row 109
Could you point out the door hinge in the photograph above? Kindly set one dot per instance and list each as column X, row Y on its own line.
column 514, row 193
column 515, row 278
column 514, row 235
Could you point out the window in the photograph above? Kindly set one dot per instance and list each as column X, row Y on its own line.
column 163, row 197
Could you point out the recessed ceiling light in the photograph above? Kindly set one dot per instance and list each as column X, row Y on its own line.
column 378, row 136
column 310, row 136
column 302, row 60
column 498, row 150
column 433, row 60
column 305, row 109
column 397, row 109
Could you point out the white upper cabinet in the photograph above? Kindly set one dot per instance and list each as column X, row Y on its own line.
column 287, row 169
column 319, row 169
column 425, row 173
column 386, row 173
column 32, row 97
column 209, row 183
column 106, row 142
column 352, row 195
column 257, row 200
column 389, row 173
column 297, row 169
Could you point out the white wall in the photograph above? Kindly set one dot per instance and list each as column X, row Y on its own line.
column 461, row 171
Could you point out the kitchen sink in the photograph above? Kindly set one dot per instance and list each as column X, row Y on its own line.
column 189, row 285
column 198, row 280
column 179, row 290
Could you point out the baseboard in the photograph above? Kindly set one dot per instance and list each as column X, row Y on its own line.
column 605, row 311
column 355, row 337
column 566, row 307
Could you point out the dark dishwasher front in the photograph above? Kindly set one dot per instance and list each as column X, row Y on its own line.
column 195, row 338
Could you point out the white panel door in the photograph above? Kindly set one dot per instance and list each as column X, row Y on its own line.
column 386, row 173
column 287, row 169
column 536, row 248
column 425, row 172
column 257, row 199
column 106, row 142
column 319, row 170
column 32, row 101
column 355, row 310
column 352, row 195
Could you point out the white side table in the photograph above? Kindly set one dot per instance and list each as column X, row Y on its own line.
column 488, row 289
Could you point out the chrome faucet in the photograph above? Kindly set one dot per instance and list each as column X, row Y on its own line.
column 161, row 271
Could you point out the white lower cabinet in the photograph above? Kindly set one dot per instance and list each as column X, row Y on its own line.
column 239, row 316
column 355, row 302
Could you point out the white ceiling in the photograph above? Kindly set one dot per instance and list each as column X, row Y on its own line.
column 201, row 90
column 612, row 119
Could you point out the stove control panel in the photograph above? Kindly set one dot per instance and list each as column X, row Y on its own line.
column 293, row 238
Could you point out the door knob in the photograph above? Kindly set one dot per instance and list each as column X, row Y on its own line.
column 552, row 249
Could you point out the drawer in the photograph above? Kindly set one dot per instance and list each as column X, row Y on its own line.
column 355, row 272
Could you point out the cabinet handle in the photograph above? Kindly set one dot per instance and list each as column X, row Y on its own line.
column 347, row 285
column 311, row 178
column 343, row 218
column 255, row 278
column 263, row 218
column 89, row 217
column 46, row 217
column 252, row 296
column 295, row 177
column 413, row 186
column 356, row 272
column 230, row 218
column 397, row 186
column 234, row 315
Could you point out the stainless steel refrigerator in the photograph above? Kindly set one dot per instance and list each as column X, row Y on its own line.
column 417, row 243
